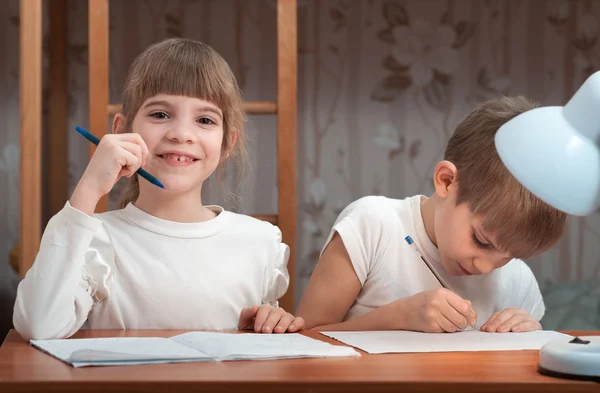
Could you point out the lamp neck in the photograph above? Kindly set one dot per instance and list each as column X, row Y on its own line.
column 582, row 109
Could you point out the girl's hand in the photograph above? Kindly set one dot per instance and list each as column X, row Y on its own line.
column 269, row 319
column 117, row 155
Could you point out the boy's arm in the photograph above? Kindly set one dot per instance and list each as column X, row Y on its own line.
column 334, row 286
column 331, row 291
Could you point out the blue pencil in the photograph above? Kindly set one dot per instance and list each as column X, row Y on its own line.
column 92, row 138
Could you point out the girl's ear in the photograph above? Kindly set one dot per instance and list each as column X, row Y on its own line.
column 232, row 140
column 119, row 124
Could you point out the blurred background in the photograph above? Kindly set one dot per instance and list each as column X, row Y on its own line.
column 381, row 86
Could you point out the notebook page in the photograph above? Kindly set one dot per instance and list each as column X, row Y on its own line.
column 468, row 340
column 227, row 346
column 99, row 351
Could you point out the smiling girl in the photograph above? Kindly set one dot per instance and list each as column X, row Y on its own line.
column 164, row 260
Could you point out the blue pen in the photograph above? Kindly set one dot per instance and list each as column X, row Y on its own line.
column 412, row 245
column 92, row 138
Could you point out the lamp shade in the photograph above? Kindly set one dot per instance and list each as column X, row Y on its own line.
column 553, row 151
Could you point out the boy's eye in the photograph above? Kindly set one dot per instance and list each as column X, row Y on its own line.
column 206, row 121
column 479, row 243
column 159, row 115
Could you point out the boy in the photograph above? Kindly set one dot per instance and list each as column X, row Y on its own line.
column 471, row 230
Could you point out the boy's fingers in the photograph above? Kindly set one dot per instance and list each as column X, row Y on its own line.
column 446, row 325
column 472, row 321
column 454, row 317
column 463, row 307
column 501, row 318
column 490, row 320
column 527, row 326
column 512, row 321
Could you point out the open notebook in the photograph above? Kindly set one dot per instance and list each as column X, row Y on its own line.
column 188, row 347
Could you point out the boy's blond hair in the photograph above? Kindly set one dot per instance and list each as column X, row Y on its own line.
column 520, row 223
column 190, row 68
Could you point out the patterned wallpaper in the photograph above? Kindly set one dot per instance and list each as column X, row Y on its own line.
column 382, row 84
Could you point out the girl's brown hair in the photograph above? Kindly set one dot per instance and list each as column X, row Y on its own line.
column 190, row 68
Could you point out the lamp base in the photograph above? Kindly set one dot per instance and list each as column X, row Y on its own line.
column 557, row 374
column 572, row 358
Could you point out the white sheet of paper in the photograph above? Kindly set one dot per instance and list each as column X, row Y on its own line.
column 223, row 346
column 470, row 340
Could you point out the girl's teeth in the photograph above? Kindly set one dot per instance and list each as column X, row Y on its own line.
column 179, row 158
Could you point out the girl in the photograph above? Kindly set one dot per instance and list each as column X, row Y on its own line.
column 163, row 261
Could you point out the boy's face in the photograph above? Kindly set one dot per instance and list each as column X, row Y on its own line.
column 465, row 248
column 184, row 136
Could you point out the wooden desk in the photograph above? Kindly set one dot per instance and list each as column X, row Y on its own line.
column 24, row 368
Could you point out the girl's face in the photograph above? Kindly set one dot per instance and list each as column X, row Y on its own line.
column 184, row 136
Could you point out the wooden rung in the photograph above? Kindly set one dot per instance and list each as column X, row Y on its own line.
column 251, row 107
column 260, row 107
column 272, row 218
column 113, row 109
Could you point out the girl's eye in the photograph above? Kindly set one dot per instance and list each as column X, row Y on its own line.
column 480, row 244
column 159, row 115
column 205, row 121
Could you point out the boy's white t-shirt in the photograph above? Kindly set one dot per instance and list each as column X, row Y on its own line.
column 126, row 269
column 373, row 229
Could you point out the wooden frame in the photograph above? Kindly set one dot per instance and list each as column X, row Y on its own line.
column 31, row 214
column 30, row 84
column 287, row 72
column 58, row 109
column 100, row 110
column 98, row 75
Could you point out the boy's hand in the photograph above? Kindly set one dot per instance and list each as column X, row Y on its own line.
column 269, row 319
column 511, row 320
column 437, row 311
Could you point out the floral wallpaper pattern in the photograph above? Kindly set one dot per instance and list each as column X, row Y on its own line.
column 382, row 84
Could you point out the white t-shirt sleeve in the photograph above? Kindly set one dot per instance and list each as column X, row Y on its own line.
column 528, row 294
column 364, row 227
column 69, row 276
column 279, row 278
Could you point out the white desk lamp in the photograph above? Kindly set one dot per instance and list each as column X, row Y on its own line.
column 555, row 153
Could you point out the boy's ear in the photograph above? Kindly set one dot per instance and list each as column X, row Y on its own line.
column 444, row 178
column 119, row 124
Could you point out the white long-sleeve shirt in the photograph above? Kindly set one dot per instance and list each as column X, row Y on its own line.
column 127, row 269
